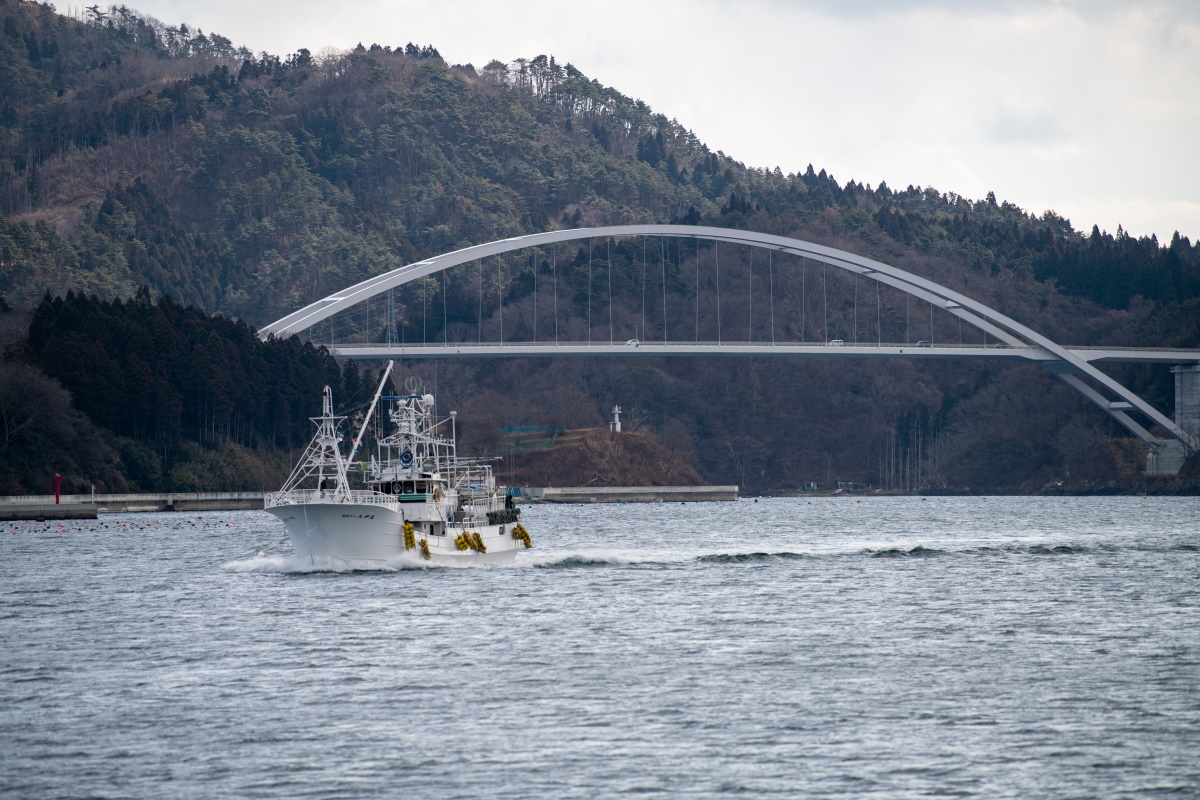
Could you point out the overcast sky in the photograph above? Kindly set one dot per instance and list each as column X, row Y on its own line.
column 1088, row 108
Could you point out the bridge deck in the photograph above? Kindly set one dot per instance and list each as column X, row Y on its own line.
column 810, row 349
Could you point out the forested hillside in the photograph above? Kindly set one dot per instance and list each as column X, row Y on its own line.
column 184, row 400
column 140, row 154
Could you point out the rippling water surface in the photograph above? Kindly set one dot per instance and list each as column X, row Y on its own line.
column 1000, row 647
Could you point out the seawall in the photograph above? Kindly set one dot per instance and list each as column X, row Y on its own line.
column 86, row 506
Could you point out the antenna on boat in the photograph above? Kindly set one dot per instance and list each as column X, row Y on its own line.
column 371, row 411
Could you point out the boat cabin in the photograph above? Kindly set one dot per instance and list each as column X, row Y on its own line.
column 407, row 490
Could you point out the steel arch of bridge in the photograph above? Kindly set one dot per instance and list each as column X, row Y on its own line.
column 1067, row 365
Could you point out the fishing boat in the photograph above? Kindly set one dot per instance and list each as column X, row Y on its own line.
column 418, row 499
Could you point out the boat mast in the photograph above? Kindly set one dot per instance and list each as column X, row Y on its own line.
column 328, row 440
column 370, row 411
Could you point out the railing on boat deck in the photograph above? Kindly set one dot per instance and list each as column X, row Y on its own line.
column 479, row 507
column 298, row 496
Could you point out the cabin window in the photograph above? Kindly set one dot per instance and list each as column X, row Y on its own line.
column 421, row 487
column 408, row 487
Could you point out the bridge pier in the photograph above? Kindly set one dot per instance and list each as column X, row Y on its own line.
column 1187, row 398
column 1166, row 456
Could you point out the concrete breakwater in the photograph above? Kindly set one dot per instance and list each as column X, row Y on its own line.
column 51, row 510
column 632, row 494
column 87, row 506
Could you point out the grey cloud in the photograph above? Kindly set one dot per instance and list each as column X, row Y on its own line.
column 1090, row 9
column 1010, row 126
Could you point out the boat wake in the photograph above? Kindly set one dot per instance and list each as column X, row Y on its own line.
column 284, row 564
column 265, row 563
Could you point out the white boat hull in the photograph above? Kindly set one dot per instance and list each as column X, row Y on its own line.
column 348, row 534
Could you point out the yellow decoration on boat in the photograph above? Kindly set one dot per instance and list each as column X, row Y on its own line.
column 425, row 549
column 409, row 536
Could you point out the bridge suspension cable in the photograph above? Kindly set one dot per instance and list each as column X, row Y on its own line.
column 608, row 257
column 697, row 241
column 750, row 299
column 825, row 303
column 642, row 332
column 554, row 269
column 589, row 328
column 662, row 246
column 879, row 317
column 771, row 273
column 717, row 267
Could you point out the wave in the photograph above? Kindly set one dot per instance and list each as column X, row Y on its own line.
column 739, row 558
column 602, row 559
column 577, row 560
column 1062, row 549
column 920, row 551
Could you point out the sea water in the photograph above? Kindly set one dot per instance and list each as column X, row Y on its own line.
column 878, row 647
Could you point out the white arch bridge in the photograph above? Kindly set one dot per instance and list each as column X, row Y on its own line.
column 1073, row 365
